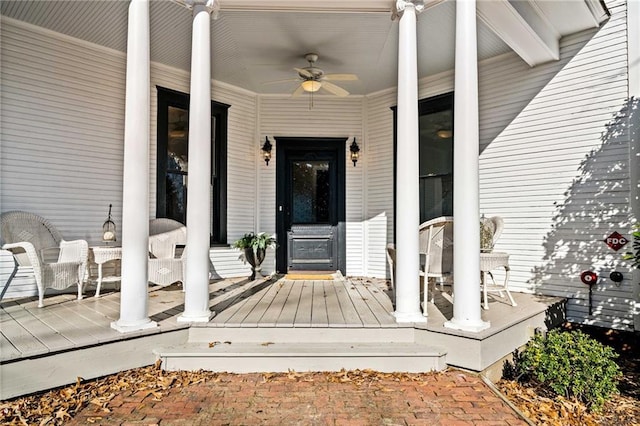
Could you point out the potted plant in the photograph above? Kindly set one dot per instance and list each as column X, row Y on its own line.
column 254, row 247
column 486, row 237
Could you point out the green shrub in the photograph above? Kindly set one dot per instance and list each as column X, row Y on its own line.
column 571, row 364
column 634, row 256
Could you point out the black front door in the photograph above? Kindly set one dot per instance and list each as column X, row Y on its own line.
column 310, row 204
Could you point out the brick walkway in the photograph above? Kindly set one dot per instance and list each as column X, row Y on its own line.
column 448, row 398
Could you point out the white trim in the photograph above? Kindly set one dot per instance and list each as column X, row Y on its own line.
column 633, row 40
column 533, row 45
column 363, row 209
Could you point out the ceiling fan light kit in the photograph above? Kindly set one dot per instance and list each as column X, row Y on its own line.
column 311, row 85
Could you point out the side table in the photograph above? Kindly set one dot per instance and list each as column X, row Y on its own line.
column 488, row 262
column 102, row 255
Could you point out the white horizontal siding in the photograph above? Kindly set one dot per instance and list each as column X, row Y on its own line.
column 62, row 109
column 379, row 209
column 554, row 165
column 62, row 137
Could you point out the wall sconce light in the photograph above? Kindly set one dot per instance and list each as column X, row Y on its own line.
column 355, row 152
column 266, row 150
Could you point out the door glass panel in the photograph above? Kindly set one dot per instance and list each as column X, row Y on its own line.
column 178, row 146
column 310, row 191
column 436, row 164
column 177, row 163
column 177, row 196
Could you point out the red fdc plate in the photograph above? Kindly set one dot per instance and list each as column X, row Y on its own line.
column 616, row 241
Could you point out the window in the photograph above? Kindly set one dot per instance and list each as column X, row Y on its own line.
column 436, row 156
column 173, row 164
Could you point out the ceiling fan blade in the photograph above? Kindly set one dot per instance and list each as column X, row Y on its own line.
column 288, row 80
column 340, row 77
column 336, row 90
column 304, row 72
column 298, row 91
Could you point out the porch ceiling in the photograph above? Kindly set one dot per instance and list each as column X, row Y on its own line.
column 252, row 47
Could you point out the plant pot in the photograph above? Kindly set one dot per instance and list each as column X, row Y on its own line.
column 255, row 259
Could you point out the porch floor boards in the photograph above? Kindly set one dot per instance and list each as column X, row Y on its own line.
column 310, row 303
column 66, row 323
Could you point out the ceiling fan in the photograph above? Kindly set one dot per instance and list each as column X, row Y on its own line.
column 312, row 79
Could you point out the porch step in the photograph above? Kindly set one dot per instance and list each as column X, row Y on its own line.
column 251, row 357
column 205, row 333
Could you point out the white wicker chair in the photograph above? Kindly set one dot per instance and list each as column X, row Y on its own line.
column 436, row 244
column 167, row 239
column 29, row 237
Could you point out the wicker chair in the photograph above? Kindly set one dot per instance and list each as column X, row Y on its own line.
column 436, row 245
column 167, row 239
column 30, row 238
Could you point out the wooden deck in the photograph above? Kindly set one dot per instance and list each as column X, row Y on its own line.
column 303, row 303
column 70, row 338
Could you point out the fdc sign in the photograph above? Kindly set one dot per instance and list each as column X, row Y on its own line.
column 616, row 241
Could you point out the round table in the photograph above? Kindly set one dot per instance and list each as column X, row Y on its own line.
column 488, row 262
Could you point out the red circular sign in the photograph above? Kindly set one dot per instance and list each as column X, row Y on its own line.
column 589, row 277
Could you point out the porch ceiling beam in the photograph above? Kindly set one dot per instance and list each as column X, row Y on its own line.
column 523, row 27
column 320, row 6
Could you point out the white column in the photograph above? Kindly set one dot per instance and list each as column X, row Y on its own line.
column 466, row 198
column 196, row 299
column 134, row 299
column 407, row 160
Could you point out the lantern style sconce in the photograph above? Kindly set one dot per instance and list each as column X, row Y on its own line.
column 266, row 151
column 109, row 229
column 355, row 152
